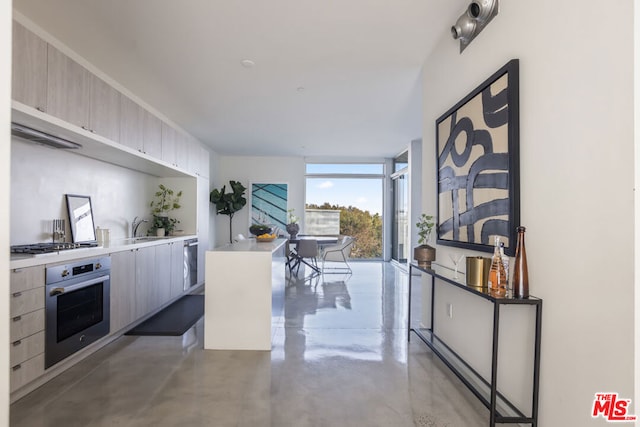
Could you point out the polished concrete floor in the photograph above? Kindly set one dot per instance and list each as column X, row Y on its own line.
column 341, row 359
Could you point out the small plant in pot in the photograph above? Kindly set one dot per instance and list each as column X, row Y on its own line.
column 424, row 253
column 165, row 201
column 292, row 226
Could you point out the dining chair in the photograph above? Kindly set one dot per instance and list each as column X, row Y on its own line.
column 338, row 254
column 307, row 253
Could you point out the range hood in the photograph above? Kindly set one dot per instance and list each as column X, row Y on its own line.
column 41, row 137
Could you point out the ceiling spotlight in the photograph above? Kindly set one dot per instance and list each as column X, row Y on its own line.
column 482, row 9
column 247, row 63
column 478, row 14
column 464, row 27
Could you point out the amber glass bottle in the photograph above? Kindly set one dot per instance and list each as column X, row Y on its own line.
column 520, row 270
column 497, row 274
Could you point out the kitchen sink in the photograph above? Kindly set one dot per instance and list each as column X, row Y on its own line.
column 143, row 239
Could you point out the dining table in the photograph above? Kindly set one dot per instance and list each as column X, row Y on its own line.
column 321, row 240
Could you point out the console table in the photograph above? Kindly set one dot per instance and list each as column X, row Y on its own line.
column 500, row 409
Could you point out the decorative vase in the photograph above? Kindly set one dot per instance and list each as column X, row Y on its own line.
column 424, row 254
column 293, row 230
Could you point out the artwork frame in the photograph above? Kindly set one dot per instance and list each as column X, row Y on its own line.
column 269, row 204
column 478, row 166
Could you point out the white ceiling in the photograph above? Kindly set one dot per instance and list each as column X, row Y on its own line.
column 331, row 78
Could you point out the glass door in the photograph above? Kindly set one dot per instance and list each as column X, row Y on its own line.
column 400, row 229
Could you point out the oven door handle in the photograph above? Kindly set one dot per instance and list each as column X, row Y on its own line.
column 62, row 290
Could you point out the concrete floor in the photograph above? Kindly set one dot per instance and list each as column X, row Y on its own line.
column 341, row 359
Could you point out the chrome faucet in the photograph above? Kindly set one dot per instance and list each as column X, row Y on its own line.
column 135, row 224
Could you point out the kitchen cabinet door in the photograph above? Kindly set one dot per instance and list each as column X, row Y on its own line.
column 29, row 61
column 146, row 292
column 204, row 162
column 182, row 150
column 123, row 290
column 177, row 269
column 163, row 274
column 152, row 135
column 67, row 89
column 168, row 144
column 104, row 109
column 131, row 124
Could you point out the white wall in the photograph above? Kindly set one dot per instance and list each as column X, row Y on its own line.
column 5, row 167
column 247, row 170
column 41, row 176
column 577, row 169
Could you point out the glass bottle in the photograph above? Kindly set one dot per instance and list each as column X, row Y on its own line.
column 497, row 275
column 520, row 270
column 505, row 262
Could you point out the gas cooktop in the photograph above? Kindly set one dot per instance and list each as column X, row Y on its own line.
column 44, row 248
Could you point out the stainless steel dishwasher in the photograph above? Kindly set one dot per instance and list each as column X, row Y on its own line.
column 190, row 263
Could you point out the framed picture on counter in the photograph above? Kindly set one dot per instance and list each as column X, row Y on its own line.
column 269, row 204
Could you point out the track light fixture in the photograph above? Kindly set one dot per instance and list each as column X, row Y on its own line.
column 478, row 14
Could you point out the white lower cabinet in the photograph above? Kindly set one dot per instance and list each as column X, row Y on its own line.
column 163, row 274
column 146, row 291
column 170, row 261
column 142, row 280
column 123, row 290
column 177, row 269
column 26, row 325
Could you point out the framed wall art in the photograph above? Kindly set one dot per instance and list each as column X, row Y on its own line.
column 477, row 147
column 269, row 204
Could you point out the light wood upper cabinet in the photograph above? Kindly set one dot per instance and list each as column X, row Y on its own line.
column 67, row 89
column 139, row 129
column 182, row 150
column 198, row 158
column 50, row 81
column 152, row 135
column 131, row 124
column 104, row 109
column 29, row 61
column 168, row 144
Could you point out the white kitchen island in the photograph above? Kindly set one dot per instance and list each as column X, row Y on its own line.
column 244, row 295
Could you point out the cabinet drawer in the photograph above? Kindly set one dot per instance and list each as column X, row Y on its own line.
column 27, row 301
column 27, row 348
column 26, row 324
column 23, row 279
column 27, row 371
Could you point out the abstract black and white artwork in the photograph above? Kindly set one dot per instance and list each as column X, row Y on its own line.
column 477, row 143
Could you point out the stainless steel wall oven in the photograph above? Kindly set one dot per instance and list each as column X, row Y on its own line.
column 77, row 307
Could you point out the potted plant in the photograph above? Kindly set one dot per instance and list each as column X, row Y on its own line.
column 292, row 226
column 229, row 203
column 165, row 201
column 424, row 253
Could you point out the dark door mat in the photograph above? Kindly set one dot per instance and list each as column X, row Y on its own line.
column 175, row 319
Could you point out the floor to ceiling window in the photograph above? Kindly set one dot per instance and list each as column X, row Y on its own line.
column 400, row 229
column 347, row 199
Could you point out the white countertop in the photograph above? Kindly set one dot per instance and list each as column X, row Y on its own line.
column 115, row 245
column 251, row 245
